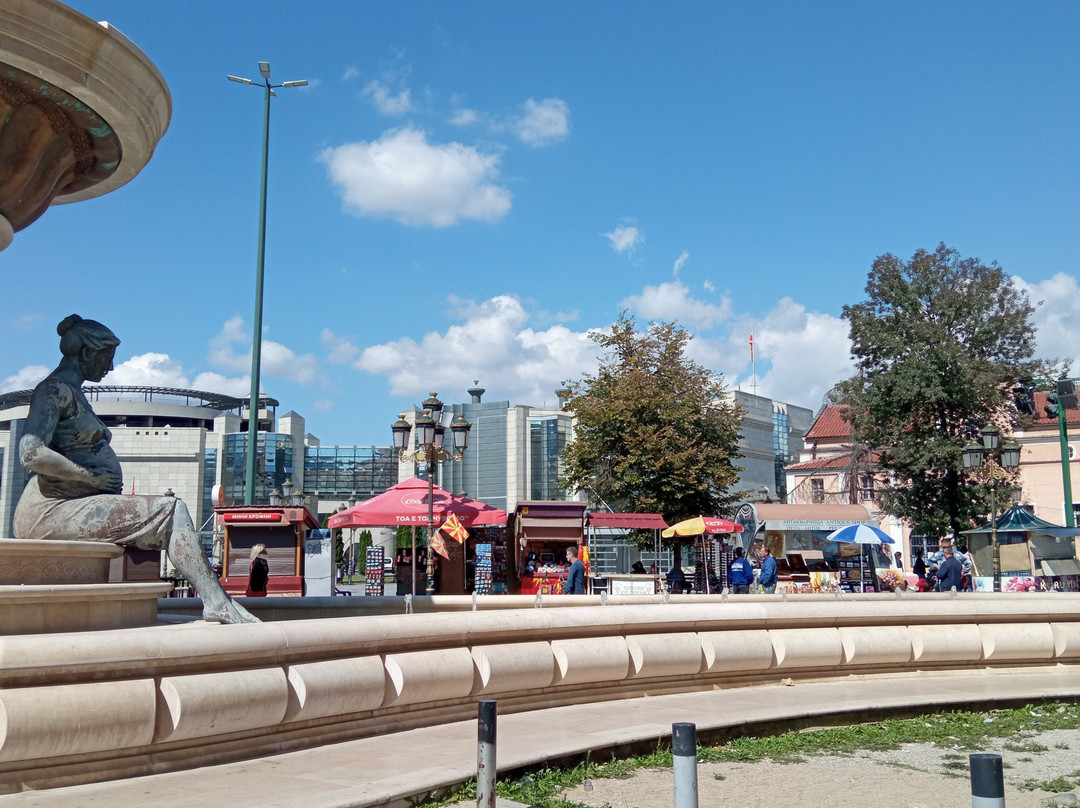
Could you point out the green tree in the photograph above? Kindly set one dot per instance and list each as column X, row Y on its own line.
column 655, row 432
column 938, row 345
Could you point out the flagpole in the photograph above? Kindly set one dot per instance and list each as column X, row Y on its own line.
column 753, row 361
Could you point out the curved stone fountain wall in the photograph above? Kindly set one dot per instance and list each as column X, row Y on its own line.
column 99, row 705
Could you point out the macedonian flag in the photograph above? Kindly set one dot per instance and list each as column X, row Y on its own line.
column 439, row 546
column 455, row 529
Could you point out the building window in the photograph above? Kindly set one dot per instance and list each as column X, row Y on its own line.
column 817, row 490
column 866, row 487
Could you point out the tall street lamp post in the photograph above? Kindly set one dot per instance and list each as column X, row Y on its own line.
column 256, row 345
column 993, row 462
column 429, row 450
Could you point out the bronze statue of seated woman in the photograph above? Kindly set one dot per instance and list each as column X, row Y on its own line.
column 74, row 493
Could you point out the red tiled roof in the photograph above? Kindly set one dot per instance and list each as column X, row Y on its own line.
column 822, row 463
column 1042, row 419
column 830, row 423
column 832, row 462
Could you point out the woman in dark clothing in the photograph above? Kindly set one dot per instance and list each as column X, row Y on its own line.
column 259, row 573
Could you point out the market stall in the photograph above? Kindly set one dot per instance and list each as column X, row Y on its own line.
column 541, row 533
column 625, row 583
column 1035, row 555
column 408, row 503
column 807, row 559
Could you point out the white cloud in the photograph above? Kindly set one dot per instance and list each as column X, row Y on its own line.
column 276, row 359
column 341, row 351
column 800, row 355
column 494, row 345
column 1057, row 316
column 350, row 74
column 544, row 122
column 149, row 369
column 680, row 262
column 625, row 238
column 25, row 379
column 672, row 301
column 388, row 102
column 403, row 177
column 239, row 386
column 708, row 286
column 464, row 117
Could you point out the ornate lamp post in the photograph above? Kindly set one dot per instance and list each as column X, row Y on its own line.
column 992, row 462
column 429, row 450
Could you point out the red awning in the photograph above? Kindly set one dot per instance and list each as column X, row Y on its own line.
column 634, row 521
column 407, row 504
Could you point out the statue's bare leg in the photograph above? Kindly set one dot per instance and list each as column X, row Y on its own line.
column 186, row 553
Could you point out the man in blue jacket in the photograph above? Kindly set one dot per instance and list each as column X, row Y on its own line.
column 767, row 576
column 739, row 573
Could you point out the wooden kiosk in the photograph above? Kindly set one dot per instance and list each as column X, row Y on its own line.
column 541, row 533
column 282, row 528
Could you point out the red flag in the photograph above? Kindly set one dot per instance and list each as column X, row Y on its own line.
column 751, row 346
column 455, row 530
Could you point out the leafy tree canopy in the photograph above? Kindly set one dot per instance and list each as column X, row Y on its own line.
column 655, row 432
column 938, row 345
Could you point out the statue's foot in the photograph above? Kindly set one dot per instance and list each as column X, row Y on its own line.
column 228, row 612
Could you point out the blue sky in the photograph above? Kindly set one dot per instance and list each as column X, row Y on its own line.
column 465, row 189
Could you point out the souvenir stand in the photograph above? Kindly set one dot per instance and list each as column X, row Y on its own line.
column 282, row 528
column 796, row 536
column 541, row 533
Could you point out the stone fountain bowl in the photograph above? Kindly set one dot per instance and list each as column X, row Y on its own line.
column 55, row 562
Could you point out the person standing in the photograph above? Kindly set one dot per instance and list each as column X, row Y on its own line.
column 767, row 576
column 950, row 573
column 575, row 578
column 258, row 573
column 919, row 567
column 740, row 573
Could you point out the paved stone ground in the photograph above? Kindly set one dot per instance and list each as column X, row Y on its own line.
column 914, row 776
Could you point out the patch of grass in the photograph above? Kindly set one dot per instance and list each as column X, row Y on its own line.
column 1058, row 785
column 1061, row 746
column 967, row 731
column 1025, row 747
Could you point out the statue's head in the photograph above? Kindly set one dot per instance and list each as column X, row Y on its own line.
column 88, row 343
column 77, row 333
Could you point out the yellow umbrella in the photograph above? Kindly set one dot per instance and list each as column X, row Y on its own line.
column 700, row 525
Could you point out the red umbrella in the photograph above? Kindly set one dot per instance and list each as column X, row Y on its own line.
column 407, row 504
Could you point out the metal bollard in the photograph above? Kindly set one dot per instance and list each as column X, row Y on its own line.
column 485, row 754
column 684, row 764
column 987, row 781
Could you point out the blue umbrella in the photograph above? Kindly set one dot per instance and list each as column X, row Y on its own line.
column 860, row 534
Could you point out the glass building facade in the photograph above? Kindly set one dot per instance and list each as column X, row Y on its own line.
column 273, row 464
column 549, row 436
column 341, row 471
column 780, row 448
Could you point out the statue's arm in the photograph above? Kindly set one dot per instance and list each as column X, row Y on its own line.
column 49, row 400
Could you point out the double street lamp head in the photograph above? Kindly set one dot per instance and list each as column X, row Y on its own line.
column 430, row 433
column 975, row 451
